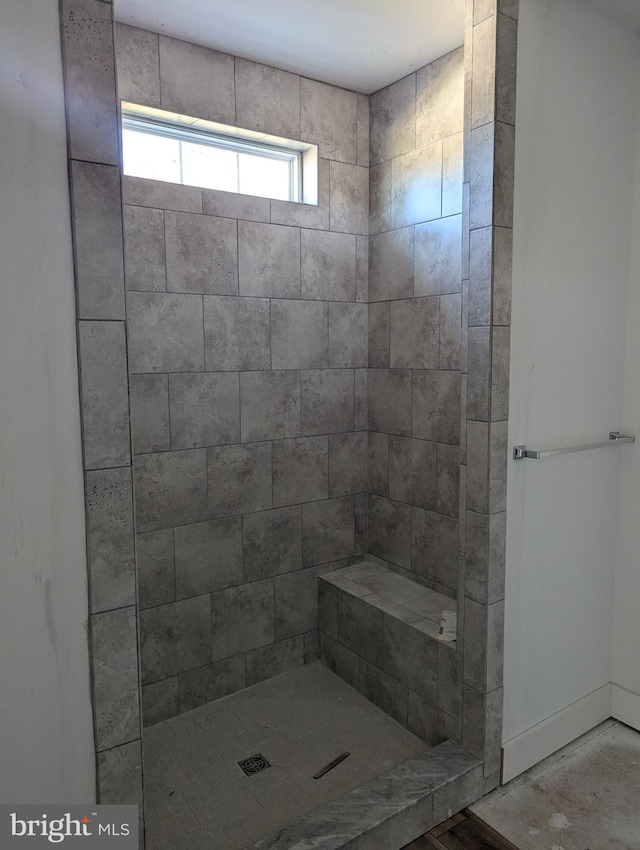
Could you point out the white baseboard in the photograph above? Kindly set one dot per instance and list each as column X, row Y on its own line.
column 547, row 737
column 625, row 706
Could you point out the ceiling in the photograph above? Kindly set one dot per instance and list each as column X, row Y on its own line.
column 359, row 44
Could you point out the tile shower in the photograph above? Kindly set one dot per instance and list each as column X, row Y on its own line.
column 297, row 382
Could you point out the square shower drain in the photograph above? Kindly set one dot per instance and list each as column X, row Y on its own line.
column 254, row 764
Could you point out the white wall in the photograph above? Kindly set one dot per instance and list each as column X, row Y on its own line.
column 577, row 84
column 46, row 737
column 626, row 619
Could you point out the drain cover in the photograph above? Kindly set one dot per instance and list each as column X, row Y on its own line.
column 254, row 764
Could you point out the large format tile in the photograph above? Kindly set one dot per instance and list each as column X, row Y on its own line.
column 349, row 198
column 97, row 225
column 165, row 332
column 438, row 269
column 412, row 472
column 196, row 81
column 137, row 65
column 410, row 657
column 378, row 463
column 272, row 542
column 110, row 553
column 267, row 99
column 452, row 174
column 440, row 94
column 242, row 618
column 211, row 682
column 436, row 406
column 415, row 333
column 391, row 265
column 143, row 192
column 450, row 331
column 315, row 216
column 208, row 556
column 269, row 405
column 299, row 335
column 348, row 329
column 296, row 603
column 390, row 401
column 328, row 265
column 275, row 659
column 170, row 489
column 434, row 544
column 149, row 399
column 327, row 401
column 235, row 205
column 348, row 458
column 379, row 335
column 160, row 701
column 416, row 186
column 237, row 333
column 105, row 402
column 269, row 260
column 144, row 252
column 393, row 119
column 390, row 530
column 329, row 119
column 202, row 254
column 175, row 638
column 300, row 470
column 115, row 677
column 204, row 409
column 380, row 197
column 328, row 531
column 384, row 691
column 239, row 478
column 155, row 568
column 120, row 775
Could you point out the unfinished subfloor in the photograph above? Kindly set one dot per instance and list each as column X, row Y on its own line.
column 584, row 798
column 196, row 795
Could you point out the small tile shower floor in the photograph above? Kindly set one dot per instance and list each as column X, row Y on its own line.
column 196, row 795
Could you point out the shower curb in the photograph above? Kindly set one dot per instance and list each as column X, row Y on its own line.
column 391, row 810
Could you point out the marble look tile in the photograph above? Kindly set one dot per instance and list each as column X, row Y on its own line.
column 269, row 260
column 450, row 331
column 137, row 65
column 393, row 120
column 448, row 476
column 483, row 87
column 434, row 544
column 144, row 253
column 415, row 333
column 330, row 119
column 275, row 659
column 384, row 691
column 348, row 457
column 208, row 556
column 149, row 399
column 242, row 618
column 204, row 409
column 120, row 775
column 272, row 542
column 211, row 682
column 115, row 677
column 348, row 330
column 391, row 265
column 328, row 265
column 269, row 405
column 139, row 191
column 97, row 225
column 315, row 216
column 110, row 554
column 412, row 472
column 165, row 332
column 234, row 205
column 440, row 94
column 104, row 396
column 237, row 333
column 438, row 269
column 363, row 130
column 196, row 81
column 390, row 401
column 436, row 406
column 390, row 530
column 452, row 174
column 202, row 254
column 300, row 470
column 380, row 197
column 456, row 795
column 175, row 638
column 327, row 401
column 479, row 368
column 349, row 198
column 296, row 603
column 155, row 568
column 379, row 335
column 299, row 335
column 87, row 40
column 160, row 701
column 267, row 99
column 170, row 489
column 416, row 186
column 239, row 478
column 378, row 463
column 328, row 530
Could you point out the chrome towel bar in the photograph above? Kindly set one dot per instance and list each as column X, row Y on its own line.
column 615, row 438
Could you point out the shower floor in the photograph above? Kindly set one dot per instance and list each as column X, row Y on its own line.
column 196, row 795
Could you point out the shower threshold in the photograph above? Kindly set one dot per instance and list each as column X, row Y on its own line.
column 197, row 795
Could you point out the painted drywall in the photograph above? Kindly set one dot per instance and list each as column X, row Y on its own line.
column 46, row 738
column 577, row 78
column 626, row 624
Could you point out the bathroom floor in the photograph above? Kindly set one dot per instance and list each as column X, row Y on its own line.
column 196, row 795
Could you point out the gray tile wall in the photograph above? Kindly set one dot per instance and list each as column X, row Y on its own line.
column 248, row 338
column 415, row 306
